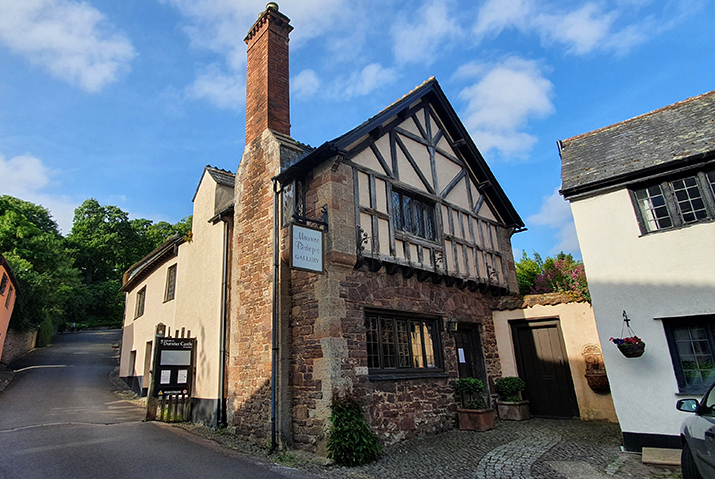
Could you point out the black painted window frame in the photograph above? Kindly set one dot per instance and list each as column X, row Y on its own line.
column 676, row 203
column 383, row 364
column 670, row 326
column 413, row 214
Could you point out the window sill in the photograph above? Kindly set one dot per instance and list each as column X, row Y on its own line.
column 385, row 376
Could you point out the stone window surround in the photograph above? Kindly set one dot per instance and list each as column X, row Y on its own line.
column 673, row 325
column 706, row 185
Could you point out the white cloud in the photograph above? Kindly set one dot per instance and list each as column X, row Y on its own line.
column 226, row 91
column 72, row 40
column 25, row 177
column 555, row 213
column 421, row 39
column 502, row 101
column 368, row 80
column 581, row 30
column 305, row 84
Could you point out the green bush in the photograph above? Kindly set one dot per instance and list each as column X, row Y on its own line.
column 509, row 388
column 351, row 442
column 470, row 390
column 44, row 333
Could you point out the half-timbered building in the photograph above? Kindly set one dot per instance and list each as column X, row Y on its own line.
column 365, row 266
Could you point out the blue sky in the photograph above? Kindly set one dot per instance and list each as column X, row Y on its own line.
column 126, row 102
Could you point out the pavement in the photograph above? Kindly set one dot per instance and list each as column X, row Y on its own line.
column 537, row 448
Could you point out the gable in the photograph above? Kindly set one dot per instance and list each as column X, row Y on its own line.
column 417, row 152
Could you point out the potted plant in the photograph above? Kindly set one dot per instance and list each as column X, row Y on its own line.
column 510, row 404
column 474, row 415
column 632, row 347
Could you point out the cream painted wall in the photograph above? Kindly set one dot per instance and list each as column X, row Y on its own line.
column 579, row 329
column 659, row 275
column 197, row 303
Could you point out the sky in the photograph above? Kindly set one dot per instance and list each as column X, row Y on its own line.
column 127, row 101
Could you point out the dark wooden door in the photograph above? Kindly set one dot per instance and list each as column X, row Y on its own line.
column 543, row 364
column 470, row 360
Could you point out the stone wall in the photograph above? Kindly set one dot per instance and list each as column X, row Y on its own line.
column 17, row 344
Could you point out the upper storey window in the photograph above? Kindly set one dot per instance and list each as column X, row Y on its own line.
column 677, row 202
column 412, row 215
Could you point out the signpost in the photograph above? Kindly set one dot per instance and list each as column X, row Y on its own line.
column 306, row 248
column 172, row 373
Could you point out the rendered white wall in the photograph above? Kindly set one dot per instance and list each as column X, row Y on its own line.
column 659, row 275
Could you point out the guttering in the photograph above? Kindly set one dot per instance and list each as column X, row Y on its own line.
column 274, row 325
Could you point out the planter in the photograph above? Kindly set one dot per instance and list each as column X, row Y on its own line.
column 476, row 419
column 513, row 411
column 598, row 382
column 632, row 350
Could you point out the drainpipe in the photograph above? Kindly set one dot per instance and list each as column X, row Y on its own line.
column 221, row 407
column 274, row 359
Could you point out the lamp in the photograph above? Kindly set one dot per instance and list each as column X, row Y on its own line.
column 451, row 326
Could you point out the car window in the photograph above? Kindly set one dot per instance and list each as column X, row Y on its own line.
column 707, row 408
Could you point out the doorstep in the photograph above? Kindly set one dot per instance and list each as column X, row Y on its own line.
column 661, row 456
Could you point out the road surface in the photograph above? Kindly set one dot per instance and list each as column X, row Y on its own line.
column 59, row 418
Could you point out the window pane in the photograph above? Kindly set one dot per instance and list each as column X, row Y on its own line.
column 373, row 342
column 388, row 343
column 407, row 214
column 429, row 335
column 419, row 218
column 651, row 202
column 288, row 203
column 689, row 198
column 429, row 223
column 403, row 345
column 711, row 179
column 694, row 355
column 397, row 211
column 416, row 336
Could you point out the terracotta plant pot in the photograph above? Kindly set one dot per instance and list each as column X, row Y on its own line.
column 598, row 382
column 513, row 411
column 476, row 419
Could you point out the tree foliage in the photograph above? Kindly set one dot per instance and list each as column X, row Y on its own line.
column 77, row 278
column 554, row 274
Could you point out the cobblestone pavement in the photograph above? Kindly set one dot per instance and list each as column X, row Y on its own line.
column 538, row 449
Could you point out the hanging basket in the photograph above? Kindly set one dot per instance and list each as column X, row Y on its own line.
column 631, row 346
column 632, row 350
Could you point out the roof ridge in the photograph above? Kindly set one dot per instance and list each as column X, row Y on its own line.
column 672, row 106
column 215, row 168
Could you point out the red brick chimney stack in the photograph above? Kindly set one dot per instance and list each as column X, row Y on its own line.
column 267, row 80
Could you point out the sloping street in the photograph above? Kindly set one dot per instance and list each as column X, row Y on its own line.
column 59, row 418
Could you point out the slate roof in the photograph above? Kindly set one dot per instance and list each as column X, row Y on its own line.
column 222, row 177
column 676, row 136
column 139, row 270
column 431, row 91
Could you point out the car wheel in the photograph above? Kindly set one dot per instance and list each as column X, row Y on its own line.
column 687, row 464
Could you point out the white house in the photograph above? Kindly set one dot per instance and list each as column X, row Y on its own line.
column 642, row 193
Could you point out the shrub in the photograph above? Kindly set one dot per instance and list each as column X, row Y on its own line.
column 44, row 333
column 560, row 274
column 470, row 389
column 351, row 442
column 509, row 388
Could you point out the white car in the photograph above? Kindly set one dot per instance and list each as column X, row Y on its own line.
column 697, row 435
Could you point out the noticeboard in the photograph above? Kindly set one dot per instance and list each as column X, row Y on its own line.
column 174, row 366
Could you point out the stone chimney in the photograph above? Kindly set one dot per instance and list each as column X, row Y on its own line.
column 267, row 80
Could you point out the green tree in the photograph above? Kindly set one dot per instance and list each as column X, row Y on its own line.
column 554, row 274
column 38, row 254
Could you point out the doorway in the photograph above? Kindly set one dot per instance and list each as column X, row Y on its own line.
column 470, row 359
column 543, row 364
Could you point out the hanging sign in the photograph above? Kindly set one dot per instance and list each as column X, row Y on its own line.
column 306, row 250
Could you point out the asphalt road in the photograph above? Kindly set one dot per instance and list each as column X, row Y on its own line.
column 59, row 418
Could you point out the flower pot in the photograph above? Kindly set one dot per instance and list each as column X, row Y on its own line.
column 476, row 419
column 632, row 350
column 513, row 411
column 598, row 382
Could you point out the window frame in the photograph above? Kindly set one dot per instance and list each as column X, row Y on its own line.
column 9, row 297
column 140, row 303
column 3, row 283
column 404, row 372
column 670, row 325
column 705, row 183
column 170, row 292
column 427, row 212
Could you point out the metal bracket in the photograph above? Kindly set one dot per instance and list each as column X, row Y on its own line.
column 323, row 222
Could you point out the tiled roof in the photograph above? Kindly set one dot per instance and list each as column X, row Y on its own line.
column 222, row 177
column 619, row 153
